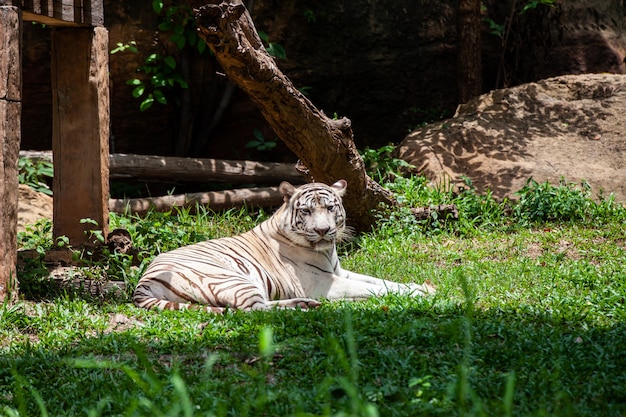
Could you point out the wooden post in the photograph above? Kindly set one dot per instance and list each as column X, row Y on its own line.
column 10, row 115
column 80, row 132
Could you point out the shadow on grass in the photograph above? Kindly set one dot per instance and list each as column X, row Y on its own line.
column 397, row 356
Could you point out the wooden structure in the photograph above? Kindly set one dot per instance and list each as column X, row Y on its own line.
column 80, row 120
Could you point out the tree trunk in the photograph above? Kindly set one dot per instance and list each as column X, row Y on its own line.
column 325, row 146
column 469, row 72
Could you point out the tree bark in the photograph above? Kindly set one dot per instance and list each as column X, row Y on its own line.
column 10, row 122
column 325, row 146
column 469, row 72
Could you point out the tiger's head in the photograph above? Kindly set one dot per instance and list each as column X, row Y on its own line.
column 314, row 216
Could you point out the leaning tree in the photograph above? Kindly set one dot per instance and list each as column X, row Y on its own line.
column 325, row 146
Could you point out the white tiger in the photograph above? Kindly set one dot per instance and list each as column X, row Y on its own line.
column 289, row 260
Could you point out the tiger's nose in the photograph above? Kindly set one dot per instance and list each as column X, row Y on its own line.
column 321, row 230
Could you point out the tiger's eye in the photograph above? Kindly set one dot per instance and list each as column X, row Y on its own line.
column 330, row 208
column 305, row 211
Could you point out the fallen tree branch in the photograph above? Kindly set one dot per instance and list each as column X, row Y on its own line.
column 169, row 168
column 214, row 200
column 202, row 170
column 442, row 211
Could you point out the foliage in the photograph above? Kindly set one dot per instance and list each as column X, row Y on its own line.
column 529, row 319
column 309, row 16
column 537, row 204
column 533, row 4
column 176, row 19
column 122, row 47
column 36, row 173
column 381, row 165
column 274, row 49
column 524, row 34
column 499, row 30
column 544, row 202
column 162, row 69
column 260, row 143
column 33, row 275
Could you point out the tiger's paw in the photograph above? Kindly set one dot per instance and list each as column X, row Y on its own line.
column 301, row 303
column 424, row 289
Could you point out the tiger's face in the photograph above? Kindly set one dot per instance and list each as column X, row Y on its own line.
column 314, row 216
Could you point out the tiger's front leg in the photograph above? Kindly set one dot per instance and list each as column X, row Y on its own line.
column 396, row 287
column 353, row 286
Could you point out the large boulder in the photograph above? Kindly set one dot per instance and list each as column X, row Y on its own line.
column 571, row 127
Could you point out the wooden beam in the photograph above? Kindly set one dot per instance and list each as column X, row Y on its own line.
column 80, row 131
column 10, row 115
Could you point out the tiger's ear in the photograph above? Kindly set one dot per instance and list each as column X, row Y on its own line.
column 286, row 190
column 340, row 187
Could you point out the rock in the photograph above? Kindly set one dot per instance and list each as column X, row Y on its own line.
column 32, row 206
column 571, row 126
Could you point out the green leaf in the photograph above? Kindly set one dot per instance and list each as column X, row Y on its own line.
column 134, row 81
column 179, row 29
column 139, row 90
column 201, row 46
column 309, row 16
column 179, row 40
column 182, row 83
column 157, row 6
column 170, row 61
column 132, row 46
column 263, row 36
column 158, row 80
column 277, row 50
column 147, row 103
column 192, row 38
column 165, row 26
column 258, row 134
column 152, row 58
column 160, row 97
column 44, row 189
column 120, row 47
column 88, row 220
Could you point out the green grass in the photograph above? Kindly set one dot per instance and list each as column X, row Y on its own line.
column 529, row 320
